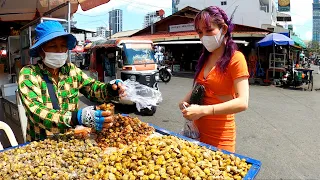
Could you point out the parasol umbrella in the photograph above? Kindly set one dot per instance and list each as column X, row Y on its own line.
column 18, row 10
column 274, row 39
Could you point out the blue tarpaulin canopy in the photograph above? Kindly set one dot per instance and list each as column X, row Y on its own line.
column 275, row 38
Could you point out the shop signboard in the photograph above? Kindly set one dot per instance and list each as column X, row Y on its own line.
column 181, row 27
column 284, row 5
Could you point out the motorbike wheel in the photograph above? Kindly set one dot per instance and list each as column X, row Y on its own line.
column 165, row 76
column 148, row 112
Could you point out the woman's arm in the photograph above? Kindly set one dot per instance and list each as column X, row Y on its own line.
column 239, row 104
column 94, row 90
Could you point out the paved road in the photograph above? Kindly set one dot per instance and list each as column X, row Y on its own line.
column 281, row 127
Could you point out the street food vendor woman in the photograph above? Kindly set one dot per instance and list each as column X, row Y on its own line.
column 50, row 89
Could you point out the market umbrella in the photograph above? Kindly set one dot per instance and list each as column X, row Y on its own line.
column 275, row 39
column 18, row 10
column 78, row 49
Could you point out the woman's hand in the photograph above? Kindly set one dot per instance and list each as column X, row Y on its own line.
column 195, row 112
column 185, row 105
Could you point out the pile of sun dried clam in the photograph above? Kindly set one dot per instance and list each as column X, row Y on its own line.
column 168, row 157
column 164, row 157
column 139, row 157
column 51, row 159
column 125, row 130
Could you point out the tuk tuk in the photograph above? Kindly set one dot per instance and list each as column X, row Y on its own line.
column 128, row 59
column 125, row 59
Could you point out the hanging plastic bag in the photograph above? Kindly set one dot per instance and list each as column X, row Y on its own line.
column 190, row 130
column 143, row 96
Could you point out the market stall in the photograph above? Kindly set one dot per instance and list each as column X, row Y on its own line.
column 130, row 150
column 276, row 61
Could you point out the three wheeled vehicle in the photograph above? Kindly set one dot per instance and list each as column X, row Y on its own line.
column 125, row 59
column 297, row 77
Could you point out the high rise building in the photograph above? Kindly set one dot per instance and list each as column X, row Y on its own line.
column 149, row 18
column 103, row 32
column 115, row 21
column 316, row 21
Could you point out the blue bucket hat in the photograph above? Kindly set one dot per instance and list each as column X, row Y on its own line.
column 47, row 31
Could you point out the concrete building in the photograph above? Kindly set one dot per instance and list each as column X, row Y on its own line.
column 316, row 21
column 253, row 13
column 115, row 21
column 103, row 32
column 149, row 18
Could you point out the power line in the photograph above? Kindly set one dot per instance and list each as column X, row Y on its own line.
column 231, row 4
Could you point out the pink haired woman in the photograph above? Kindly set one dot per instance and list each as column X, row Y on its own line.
column 222, row 73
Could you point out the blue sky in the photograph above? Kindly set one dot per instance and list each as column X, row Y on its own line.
column 134, row 11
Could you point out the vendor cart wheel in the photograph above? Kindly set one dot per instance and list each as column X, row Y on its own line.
column 310, row 84
column 148, row 112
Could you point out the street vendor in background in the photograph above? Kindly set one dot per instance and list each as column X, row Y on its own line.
column 50, row 89
column 222, row 80
column 252, row 63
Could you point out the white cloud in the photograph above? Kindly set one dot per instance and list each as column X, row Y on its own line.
column 137, row 6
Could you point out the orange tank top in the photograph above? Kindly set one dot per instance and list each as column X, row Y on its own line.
column 220, row 130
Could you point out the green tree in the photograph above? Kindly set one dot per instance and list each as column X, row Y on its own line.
column 313, row 47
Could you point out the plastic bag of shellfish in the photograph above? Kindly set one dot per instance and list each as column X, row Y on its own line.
column 142, row 95
column 190, row 130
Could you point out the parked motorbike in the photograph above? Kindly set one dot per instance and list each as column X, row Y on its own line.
column 292, row 77
column 164, row 72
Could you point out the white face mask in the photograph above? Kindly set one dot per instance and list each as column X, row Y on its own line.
column 213, row 42
column 55, row 60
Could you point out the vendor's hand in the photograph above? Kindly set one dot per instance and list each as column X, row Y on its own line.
column 195, row 112
column 183, row 103
column 96, row 119
column 117, row 85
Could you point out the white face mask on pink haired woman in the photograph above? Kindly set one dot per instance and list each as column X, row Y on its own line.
column 212, row 42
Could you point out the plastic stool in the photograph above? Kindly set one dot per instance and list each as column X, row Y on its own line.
column 9, row 133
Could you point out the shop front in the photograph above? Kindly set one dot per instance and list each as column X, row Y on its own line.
column 182, row 47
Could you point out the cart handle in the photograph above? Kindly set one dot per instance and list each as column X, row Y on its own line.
column 9, row 133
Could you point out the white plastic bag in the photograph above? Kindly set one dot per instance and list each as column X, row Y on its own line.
column 190, row 130
column 143, row 96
